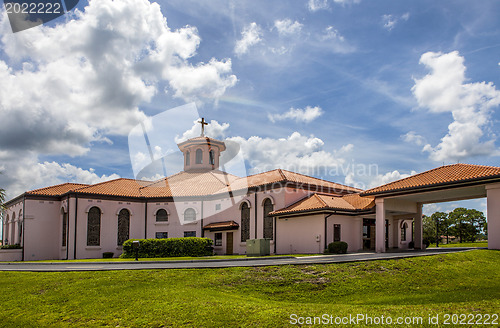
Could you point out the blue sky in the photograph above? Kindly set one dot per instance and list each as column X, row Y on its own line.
column 303, row 85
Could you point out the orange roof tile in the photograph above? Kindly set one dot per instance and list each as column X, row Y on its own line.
column 57, row 190
column 219, row 226
column 314, row 202
column 118, row 187
column 280, row 175
column 444, row 175
column 190, row 183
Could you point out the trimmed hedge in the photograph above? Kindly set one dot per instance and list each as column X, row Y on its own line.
column 170, row 247
column 15, row 246
column 337, row 247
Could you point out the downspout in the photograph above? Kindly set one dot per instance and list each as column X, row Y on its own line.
column 255, row 211
column 326, row 219
column 24, row 224
column 146, row 220
column 67, row 230
column 275, row 234
column 76, row 225
column 202, row 231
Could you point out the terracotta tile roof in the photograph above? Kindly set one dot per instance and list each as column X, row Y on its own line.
column 315, row 202
column 444, row 175
column 56, row 190
column 280, row 175
column 219, row 226
column 118, row 187
column 190, row 183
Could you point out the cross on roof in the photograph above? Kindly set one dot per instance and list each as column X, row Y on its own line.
column 203, row 123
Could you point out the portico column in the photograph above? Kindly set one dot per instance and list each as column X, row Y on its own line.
column 380, row 226
column 493, row 215
column 418, row 227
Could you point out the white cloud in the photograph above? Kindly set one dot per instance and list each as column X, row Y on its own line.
column 444, row 90
column 306, row 115
column 85, row 78
column 413, row 137
column 65, row 86
column 315, row 5
column 335, row 40
column 287, row 27
column 251, row 35
column 213, row 130
column 390, row 21
column 296, row 153
column 25, row 173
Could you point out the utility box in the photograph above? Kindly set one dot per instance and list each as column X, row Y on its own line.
column 258, row 247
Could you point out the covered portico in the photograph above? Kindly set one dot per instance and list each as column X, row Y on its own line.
column 403, row 199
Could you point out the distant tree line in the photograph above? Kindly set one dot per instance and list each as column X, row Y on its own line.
column 466, row 225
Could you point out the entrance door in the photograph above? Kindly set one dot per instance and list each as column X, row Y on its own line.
column 229, row 243
column 368, row 234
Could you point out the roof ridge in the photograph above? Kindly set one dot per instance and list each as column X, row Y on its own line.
column 58, row 185
column 321, row 200
column 280, row 171
column 308, row 176
column 108, row 181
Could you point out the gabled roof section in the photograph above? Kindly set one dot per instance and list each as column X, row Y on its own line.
column 221, row 226
column 189, row 183
column 317, row 202
column 57, row 190
column 118, row 187
column 442, row 176
column 280, row 175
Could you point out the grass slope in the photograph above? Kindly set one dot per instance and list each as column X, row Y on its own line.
column 460, row 283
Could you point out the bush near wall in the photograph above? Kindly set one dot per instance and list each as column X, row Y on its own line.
column 170, row 247
column 337, row 247
column 16, row 246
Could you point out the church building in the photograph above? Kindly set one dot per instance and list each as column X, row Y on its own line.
column 297, row 213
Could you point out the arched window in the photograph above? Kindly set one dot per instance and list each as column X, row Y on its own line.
column 189, row 215
column 245, row 222
column 199, row 156
column 6, row 230
column 404, row 226
column 13, row 229
column 123, row 226
column 64, row 228
column 94, row 227
column 161, row 215
column 268, row 220
column 212, row 157
column 188, row 158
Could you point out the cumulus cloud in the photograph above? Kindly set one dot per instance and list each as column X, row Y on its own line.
column 25, row 173
column 63, row 87
column 296, row 153
column 306, row 115
column 251, row 35
column 413, row 137
column 287, row 27
column 471, row 104
column 213, row 130
column 390, row 21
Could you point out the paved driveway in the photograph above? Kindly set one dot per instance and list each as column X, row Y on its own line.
column 243, row 262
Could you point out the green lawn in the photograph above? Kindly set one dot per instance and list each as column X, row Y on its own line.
column 476, row 244
column 459, row 283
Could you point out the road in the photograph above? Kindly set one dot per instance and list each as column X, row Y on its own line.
column 218, row 263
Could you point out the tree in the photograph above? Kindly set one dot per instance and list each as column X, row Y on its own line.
column 467, row 223
column 434, row 226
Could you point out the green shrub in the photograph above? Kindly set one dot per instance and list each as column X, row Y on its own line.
column 411, row 244
column 107, row 255
column 16, row 246
column 171, row 247
column 426, row 242
column 337, row 247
